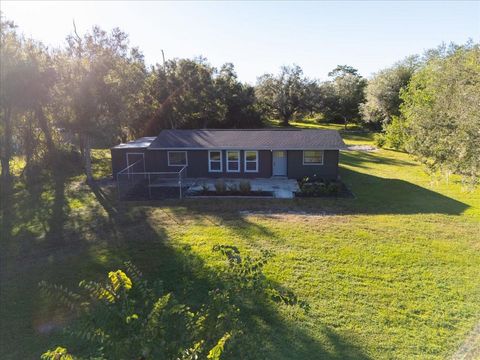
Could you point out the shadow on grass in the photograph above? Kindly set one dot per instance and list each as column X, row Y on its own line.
column 267, row 334
column 376, row 195
column 31, row 324
column 361, row 159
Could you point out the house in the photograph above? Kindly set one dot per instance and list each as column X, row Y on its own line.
column 258, row 153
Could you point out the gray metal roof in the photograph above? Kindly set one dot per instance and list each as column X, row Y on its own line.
column 255, row 139
column 140, row 143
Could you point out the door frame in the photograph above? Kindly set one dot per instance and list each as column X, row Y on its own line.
column 128, row 164
column 285, row 162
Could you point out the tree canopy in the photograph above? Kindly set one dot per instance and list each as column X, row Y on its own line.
column 441, row 113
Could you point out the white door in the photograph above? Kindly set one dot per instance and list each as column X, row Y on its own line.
column 279, row 163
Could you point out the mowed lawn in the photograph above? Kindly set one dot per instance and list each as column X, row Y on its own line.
column 391, row 274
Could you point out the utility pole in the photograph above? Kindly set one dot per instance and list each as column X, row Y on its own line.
column 163, row 57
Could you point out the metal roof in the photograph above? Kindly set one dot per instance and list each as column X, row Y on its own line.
column 254, row 139
column 140, row 143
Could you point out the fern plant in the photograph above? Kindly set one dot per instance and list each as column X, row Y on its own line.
column 126, row 317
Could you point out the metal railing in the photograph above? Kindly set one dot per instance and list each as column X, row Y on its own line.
column 138, row 185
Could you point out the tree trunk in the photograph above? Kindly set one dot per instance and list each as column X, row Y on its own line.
column 87, row 156
column 42, row 121
column 285, row 120
column 345, row 122
column 7, row 146
column 29, row 144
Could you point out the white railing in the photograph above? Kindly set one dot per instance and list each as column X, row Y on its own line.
column 153, row 179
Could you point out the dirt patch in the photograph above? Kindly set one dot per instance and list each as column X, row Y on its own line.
column 367, row 148
column 470, row 349
column 289, row 215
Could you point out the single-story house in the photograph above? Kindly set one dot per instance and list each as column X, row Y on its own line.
column 237, row 153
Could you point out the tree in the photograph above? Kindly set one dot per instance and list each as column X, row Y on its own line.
column 189, row 93
column 239, row 100
column 441, row 113
column 11, row 89
column 382, row 93
column 285, row 94
column 94, row 90
column 343, row 94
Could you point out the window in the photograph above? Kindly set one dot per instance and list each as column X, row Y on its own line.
column 177, row 158
column 251, row 161
column 215, row 161
column 313, row 157
column 233, row 161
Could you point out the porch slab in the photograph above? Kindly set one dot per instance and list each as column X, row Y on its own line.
column 282, row 188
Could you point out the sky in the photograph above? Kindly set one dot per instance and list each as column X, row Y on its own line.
column 259, row 37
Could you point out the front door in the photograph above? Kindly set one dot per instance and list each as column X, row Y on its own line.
column 279, row 163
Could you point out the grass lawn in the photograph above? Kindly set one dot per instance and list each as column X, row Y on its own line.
column 393, row 273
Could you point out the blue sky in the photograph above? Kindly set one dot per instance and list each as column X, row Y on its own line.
column 259, row 37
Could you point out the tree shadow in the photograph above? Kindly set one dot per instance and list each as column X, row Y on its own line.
column 361, row 159
column 376, row 195
column 185, row 273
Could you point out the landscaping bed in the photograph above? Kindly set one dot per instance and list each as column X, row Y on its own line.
column 317, row 187
column 209, row 193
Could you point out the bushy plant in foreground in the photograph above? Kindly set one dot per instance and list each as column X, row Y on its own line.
column 125, row 317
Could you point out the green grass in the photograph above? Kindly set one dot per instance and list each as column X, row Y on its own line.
column 392, row 273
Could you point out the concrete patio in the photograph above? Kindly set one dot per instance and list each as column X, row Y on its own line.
column 282, row 188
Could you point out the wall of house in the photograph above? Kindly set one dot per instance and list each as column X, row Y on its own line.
column 119, row 159
column 156, row 160
column 296, row 169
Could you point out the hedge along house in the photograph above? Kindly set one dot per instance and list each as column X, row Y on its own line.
column 208, row 153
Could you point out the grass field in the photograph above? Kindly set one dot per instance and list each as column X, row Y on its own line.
column 393, row 273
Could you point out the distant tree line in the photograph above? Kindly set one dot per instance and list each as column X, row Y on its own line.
column 97, row 91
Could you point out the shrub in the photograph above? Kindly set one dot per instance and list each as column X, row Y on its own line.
column 379, row 139
column 318, row 188
column 334, row 188
column 245, row 187
column 220, row 186
column 205, row 188
column 126, row 317
column 395, row 134
column 232, row 188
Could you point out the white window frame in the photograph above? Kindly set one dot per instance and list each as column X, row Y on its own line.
column 245, row 161
column 210, row 161
column 310, row 163
column 233, row 161
column 175, row 151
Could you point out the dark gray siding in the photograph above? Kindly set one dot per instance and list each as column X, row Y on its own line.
column 156, row 160
column 296, row 169
column 119, row 159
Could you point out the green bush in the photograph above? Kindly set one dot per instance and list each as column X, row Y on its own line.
column 126, row 317
column 395, row 134
column 316, row 188
column 245, row 187
column 220, row 186
column 379, row 139
column 232, row 187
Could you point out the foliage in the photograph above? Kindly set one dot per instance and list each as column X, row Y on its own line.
column 188, row 93
column 314, row 186
column 379, row 140
column 284, row 95
column 396, row 134
column 58, row 353
column 382, row 93
column 441, row 113
column 220, row 186
column 343, row 95
column 126, row 317
column 245, row 186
